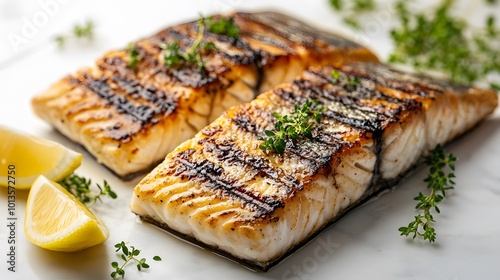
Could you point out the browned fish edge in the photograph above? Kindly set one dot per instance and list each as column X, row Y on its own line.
column 379, row 189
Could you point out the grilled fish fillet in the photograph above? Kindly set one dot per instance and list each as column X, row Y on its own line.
column 129, row 119
column 221, row 191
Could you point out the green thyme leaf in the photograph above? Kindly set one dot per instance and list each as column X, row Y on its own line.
column 341, row 78
column 85, row 30
column 297, row 125
column 80, row 187
column 133, row 56
column 439, row 182
column 224, row 26
column 174, row 56
column 128, row 255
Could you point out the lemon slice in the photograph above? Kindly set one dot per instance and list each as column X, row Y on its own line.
column 29, row 156
column 57, row 221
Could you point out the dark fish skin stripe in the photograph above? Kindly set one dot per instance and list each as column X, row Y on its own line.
column 229, row 153
column 394, row 79
column 214, row 177
column 343, row 110
column 297, row 31
column 364, row 92
column 158, row 101
column 272, row 42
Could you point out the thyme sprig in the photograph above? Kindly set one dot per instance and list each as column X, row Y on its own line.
column 291, row 127
column 128, row 255
column 80, row 188
column 85, row 30
column 439, row 182
column 173, row 56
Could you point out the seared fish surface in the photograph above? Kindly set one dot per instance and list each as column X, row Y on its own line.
column 129, row 119
column 220, row 190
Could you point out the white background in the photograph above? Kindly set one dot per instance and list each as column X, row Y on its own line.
column 366, row 244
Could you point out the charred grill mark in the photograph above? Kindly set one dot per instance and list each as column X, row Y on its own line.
column 186, row 74
column 241, row 53
column 361, row 121
column 343, row 110
column 172, row 34
column 357, row 93
column 165, row 103
column 242, row 58
column 115, row 64
column 355, row 105
column 214, row 177
column 158, row 101
column 192, row 76
column 394, row 79
column 211, row 130
column 362, row 92
column 313, row 153
column 244, row 120
column 268, row 40
column 231, row 154
column 299, row 32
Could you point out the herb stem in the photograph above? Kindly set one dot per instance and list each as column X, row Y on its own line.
column 199, row 36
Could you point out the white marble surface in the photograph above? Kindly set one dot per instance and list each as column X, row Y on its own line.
column 364, row 245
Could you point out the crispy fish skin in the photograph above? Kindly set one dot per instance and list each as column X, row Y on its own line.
column 221, row 191
column 129, row 119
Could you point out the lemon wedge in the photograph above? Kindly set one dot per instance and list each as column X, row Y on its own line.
column 29, row 156
column 57, row 221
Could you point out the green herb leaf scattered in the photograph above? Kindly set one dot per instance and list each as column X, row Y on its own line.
column 224, row 26
column 133, row 56
column 173, row 56
column 79, row 31
column 291, row 127
column 128, row 255
column 80, row 188
column 439, row 182
column 340, row 77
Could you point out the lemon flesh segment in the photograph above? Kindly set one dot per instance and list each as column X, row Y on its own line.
column 31, row 156
column 57, row 221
